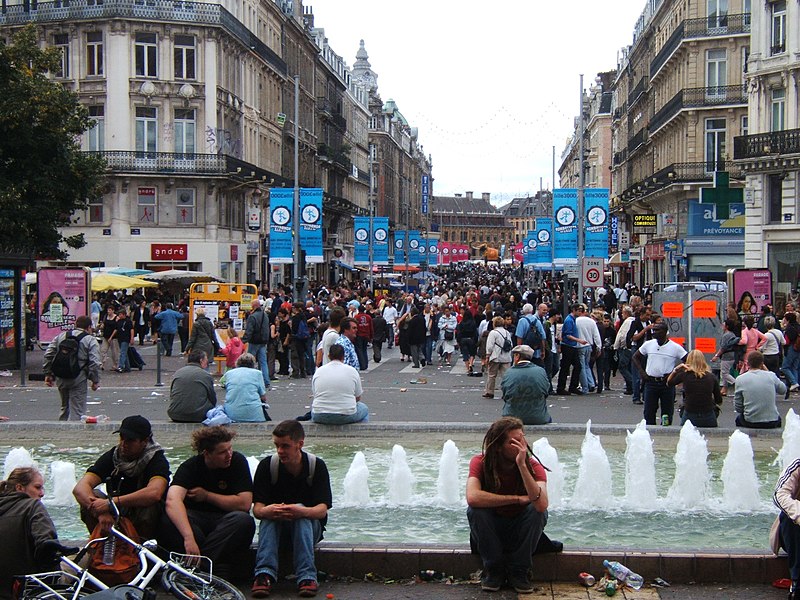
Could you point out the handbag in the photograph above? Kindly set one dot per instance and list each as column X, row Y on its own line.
column 449, row 335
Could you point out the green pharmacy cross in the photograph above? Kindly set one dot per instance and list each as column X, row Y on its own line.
column 721, row 195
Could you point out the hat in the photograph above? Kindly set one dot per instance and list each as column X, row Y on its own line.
column 523, row 350
column 135, row 427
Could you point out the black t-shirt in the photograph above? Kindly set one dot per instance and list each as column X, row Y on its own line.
column 293, row 490
column 104, row 467
column 227, row 482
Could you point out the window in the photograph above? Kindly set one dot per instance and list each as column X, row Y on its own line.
column 95, row 137
column 715, row 145
column 146, row 129
column 745, row 125
column 746, row 9
column 778, row 109
column 775, row 190
column 146, row 205
column 146, row 53
column 778, row 34
column 185, row 206
column 716, row 72
column 184, row 57
column 96, row 210
column 61, row 41
column 717, row 13
column 184, row 131
column 94, row 54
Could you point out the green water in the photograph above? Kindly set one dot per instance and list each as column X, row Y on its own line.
column 427, row 521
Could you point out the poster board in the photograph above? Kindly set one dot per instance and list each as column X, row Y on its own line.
column 225, row 304
column 62, row 296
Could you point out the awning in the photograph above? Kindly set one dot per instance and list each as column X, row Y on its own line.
column 402, row 268
column 344, row 265
column 616, row 259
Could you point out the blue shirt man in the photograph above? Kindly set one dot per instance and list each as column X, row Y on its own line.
column 527, row 321
column 169, row 319
column 349, row 332
column 570, row 357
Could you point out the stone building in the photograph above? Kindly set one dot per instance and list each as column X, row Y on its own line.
column 470, row 220
column 521, row 213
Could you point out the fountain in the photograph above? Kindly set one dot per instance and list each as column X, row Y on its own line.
column 593, row 489
column 740, row 491
column 400, row 480
column 690, row 486
column 62, row 480
column 640, row 469
column 548, row 456
column 17, row 457
column 356, row 482
column 790, row 450
column 448, row 486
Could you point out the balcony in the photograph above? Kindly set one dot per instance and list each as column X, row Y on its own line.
column 620, row 157
column 716, row 26
column 329, row 110
column 696, row 172
column 170, row 163
column 637, row 91
column 637, row 140
column 770, row 144
column 726, row 95
column 178, row 11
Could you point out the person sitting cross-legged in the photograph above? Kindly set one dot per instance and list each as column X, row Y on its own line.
column 337, row 392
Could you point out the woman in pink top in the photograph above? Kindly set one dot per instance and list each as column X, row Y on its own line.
column 751, row 337
column 233, row 349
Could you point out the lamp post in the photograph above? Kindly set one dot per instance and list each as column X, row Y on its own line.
column 371, row 226
column 581, row 219
column 299, row 280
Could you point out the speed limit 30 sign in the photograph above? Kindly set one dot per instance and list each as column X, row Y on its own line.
column 592, row 272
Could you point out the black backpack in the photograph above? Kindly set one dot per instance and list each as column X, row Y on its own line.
column 507, row 345
column 65, row 363
column 532, row 337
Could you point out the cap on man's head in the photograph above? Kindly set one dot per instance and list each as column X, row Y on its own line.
column 135, row 427
column 525, row 352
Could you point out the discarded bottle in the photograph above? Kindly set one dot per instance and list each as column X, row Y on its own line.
column 665, row 420
column 108, row 550
column 610, row 588
column 587, row 579
column 431, row 575
column 97, row 419
column 624, row 574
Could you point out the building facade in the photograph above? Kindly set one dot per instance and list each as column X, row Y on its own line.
column 521, row 213
column 679, row 99
column 474, row 221
column 769, row 151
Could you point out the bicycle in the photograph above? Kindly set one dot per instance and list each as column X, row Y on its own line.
column 183, row 575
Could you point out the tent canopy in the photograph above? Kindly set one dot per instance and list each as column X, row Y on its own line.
column 102, row 282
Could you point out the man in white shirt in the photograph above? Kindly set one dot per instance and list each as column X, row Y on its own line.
column 390, row 315
column 587, row 331
column 624, row 353
column 663, row 355
column 331, row 334
column 337, row 392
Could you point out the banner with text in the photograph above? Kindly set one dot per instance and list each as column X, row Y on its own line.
column 399, row 247
column 413, row 247
column 311, row 223
column 595, row 200
column 361, row 229
column 565, row 226
column 380, row 240
column 444, row 253
column 281, row 206
column 543, row 256
column 433, row 249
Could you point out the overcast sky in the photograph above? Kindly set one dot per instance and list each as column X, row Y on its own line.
column 491, row 86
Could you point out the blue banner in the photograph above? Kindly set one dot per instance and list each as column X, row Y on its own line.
column 399, row 247
column 426, row 190
column 565, row 226
column 433, row 251
column 311, row 223
column 529, row 248
column 380, row 240
column 703, row 221
column 361, row 240
column 414, row 243
column 595, row 201
column 281, row 206
column 543, row 259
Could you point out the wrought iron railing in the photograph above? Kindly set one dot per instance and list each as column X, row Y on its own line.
column 637, row 140
column 694, row 172
column 725, row 95
column 164, row 162
column 773, row 143
column 637, row 91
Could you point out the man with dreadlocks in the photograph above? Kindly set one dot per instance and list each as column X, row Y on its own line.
column 137, row 474
column 507, row 505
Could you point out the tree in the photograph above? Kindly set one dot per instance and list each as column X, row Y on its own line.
column 44, row 176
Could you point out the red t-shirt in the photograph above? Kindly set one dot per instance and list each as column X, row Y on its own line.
column 511, row 483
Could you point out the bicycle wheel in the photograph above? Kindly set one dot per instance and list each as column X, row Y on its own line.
column 186, row 588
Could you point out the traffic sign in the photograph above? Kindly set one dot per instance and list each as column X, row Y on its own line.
column 592, row 272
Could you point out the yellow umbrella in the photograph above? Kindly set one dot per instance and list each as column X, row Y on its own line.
column 102, row 282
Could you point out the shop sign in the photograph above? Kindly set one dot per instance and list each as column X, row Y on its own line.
column 169, row 251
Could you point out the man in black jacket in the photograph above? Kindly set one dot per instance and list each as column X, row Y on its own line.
column 256, row 336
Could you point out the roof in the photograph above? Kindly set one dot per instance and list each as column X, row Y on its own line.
column 461, row 204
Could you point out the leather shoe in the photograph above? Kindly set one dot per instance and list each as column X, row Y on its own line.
column 563, row 393
column 488, row 396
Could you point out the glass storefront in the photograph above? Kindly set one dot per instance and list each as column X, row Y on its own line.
column 784, row 263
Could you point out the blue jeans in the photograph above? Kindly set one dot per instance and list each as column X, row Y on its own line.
column 167, row 339
column 123, row 356
column 428, row 349
column 361, row 414
column 625, row 368
column 636, row 379
column 260, row 352
column 587, row 378
column 361, row 352
column 303, row 534
column 791, row 366
column 656, row 392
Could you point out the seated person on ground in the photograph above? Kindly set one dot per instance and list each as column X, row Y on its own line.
column 337, row 392
column 245, row 392
column 754, row 398
column 136, row 472
column 292, row 495
column 525, row 387
column 191, row 393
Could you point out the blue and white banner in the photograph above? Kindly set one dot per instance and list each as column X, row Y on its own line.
column 414, row 243
column 433, row 249
column 399, row 247
column 426, row 191
column 311, row 223
column 529, row 248
column 281, row 206
column 380, row 240
column 543, row 258
column 565, row 226
column 595, row 200
column 361, row 240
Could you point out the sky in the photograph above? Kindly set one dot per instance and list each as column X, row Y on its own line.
column 491, row 86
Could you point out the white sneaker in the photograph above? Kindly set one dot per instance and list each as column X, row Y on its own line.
column 794, row 387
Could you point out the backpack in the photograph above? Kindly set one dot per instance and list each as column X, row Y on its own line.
column 126, row 563
column 65, row 363
column 273, row 468
column 532, row 338
column 507, row 345
column 302, row 330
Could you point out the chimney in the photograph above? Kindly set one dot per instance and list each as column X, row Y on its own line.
column 485, row 196
column 469, row 195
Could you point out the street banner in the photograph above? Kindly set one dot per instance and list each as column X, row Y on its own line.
column 413, row 247
column 433, row 249
column 464, row 252
column 543, row 256
column 444, row 252
column 281, row 206
column 361, row 240
column 380, row 240
column 565, row 231
column 399, row 247
column 311, row 223
column 530, row 248
column 518, row 253
column 595, row 201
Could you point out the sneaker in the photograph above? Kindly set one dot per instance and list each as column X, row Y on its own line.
column 490, row 583
column 794, row 387
column 262, row 586
column 307, row 588
column 520, row 584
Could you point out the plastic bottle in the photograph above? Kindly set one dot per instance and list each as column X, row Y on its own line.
column 108, row 549
column 97, row 419
column 610, row 587
column 623, row 574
